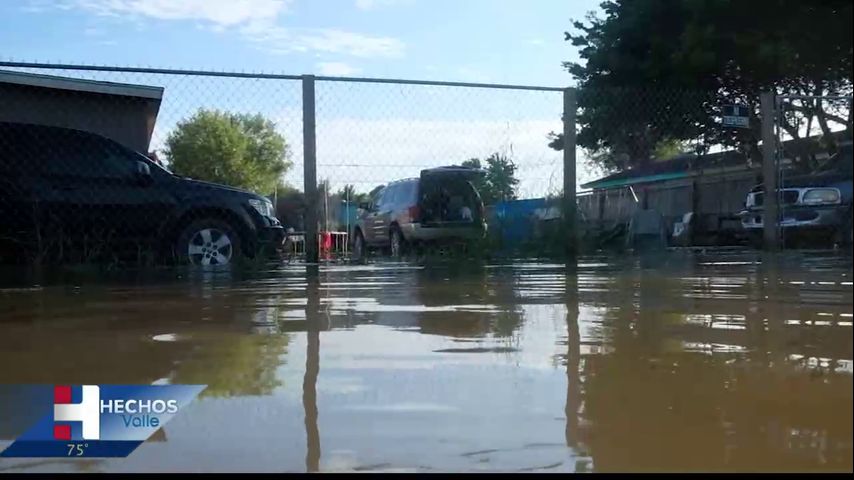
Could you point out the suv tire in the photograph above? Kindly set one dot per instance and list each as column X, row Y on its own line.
column 396, row 242
column 208, row 241
column 360, row 249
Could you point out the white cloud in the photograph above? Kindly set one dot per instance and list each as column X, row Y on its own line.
column 255, row 20
column 336, row 69
column 39, row 6
column 368, row 152
column 338, row 41
column 536, row 41
column 283, row 40
column 218, row 12
column 373, row 4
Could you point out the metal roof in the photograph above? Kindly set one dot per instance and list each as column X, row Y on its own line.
column 687, row 165
column 81, row 85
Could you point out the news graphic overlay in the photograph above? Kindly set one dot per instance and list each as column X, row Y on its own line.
column 93, row 421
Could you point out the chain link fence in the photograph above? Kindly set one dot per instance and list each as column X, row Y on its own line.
column 84, row 153
column 88, row 157
column 245, row 131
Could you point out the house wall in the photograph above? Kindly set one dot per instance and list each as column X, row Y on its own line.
column 127, row 120
column 607, row 206
column 671, row 199
column 717, row 197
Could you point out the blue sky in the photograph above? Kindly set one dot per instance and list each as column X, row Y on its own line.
column 362, row 129
column 510, row 41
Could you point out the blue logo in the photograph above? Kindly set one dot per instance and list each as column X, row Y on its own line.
column 96, row 420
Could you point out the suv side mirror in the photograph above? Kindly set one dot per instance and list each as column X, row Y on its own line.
column 143, row 173
column 365, row 206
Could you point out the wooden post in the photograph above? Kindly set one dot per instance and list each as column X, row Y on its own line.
column 309, row 148
column 570, row 205
column 771, row 240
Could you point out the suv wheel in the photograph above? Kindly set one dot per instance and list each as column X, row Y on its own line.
column 208, row 242
column 397, row 242
column 358, row 252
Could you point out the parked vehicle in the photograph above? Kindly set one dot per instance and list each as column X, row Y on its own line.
column 817, row 205
column 441, row 204
column 64, row 189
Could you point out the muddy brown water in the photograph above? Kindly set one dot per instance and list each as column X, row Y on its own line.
column 728, row 361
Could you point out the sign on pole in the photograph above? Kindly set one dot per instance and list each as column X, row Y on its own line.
column 736, row 116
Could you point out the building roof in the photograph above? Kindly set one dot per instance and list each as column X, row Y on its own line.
column 681, row 166
column 81, row 85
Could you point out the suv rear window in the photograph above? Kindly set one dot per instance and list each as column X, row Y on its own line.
column 398, row 195
column 406, row 194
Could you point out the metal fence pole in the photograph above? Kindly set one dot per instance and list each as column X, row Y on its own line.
column 309, row 148
column 771, row 240
column 570, row 205
column 314, row 325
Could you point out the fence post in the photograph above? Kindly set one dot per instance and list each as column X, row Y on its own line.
column 570, row 205
column 770, row 220
column 309, row 149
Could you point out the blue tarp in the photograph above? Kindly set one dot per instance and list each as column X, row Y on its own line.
column 343, row 212
column 514, row 219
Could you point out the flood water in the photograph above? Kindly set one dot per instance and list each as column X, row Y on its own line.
column 726, row 361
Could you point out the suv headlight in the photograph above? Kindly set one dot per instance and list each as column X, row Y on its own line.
column 264, row 207
column 818, row 196
column 751, row 200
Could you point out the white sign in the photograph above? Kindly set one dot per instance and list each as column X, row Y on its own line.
column 739, row 122
column 736, row 116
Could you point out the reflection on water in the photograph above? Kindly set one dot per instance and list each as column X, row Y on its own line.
column 697, row 362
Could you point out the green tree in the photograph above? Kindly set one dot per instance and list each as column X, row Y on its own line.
column 499, row 183
column 240, row 150
column 348, row 192
column 284, row 188
column 659, row 71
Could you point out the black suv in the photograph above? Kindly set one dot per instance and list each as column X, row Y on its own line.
column 63, row 192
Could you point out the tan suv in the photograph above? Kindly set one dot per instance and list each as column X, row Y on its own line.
column 441, row 204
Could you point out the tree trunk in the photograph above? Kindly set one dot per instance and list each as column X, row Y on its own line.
column 822, row 119
column 755, row 154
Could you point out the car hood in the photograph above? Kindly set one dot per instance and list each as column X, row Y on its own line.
column 201, row 184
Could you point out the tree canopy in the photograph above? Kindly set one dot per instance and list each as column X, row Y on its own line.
column 348, row 193
column 234, row 149
column 500, row 180
column 660, row 71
